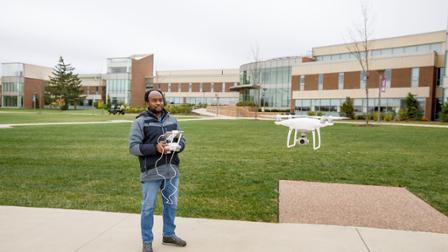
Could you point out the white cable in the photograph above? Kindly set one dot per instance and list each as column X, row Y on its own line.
column 171, row 180
column 157, row 171
column 168, row 200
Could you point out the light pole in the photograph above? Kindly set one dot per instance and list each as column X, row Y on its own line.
column 217, row 104
column 381, row 88
column 257, row 100
column 263, row 98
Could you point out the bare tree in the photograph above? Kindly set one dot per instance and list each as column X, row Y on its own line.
column 360, row 48
column 255, row 75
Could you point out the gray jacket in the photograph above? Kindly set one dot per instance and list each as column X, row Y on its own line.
column 145, row 132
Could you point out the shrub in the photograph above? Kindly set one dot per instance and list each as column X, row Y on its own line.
column 179, row 109
column 403, row 114
column 98, row 104
column 200, row 105
column 389, row 116
column 137, row 109
column 276, row 110
column 311, row 113
column 246, row 104
column 360, row 117
column 320, row 113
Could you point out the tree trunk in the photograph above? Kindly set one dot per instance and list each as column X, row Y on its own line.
column 367, row 105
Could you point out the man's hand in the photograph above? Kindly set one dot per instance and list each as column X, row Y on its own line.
column 162, row 148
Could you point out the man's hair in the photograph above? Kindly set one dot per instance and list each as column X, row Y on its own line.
column 153, row 90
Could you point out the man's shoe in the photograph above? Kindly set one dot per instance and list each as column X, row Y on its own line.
column 147, row 247
column 174, row 240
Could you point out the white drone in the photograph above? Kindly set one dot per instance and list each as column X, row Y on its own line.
column 304, row 125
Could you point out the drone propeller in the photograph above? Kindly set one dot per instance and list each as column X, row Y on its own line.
column 329, row 118
column 284, row 117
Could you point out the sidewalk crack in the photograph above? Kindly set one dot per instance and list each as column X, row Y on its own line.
column 362, row 239
column 100, row 234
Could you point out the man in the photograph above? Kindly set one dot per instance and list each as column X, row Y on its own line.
column 159, row 166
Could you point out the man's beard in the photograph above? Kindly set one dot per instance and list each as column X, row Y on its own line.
column 154, row 110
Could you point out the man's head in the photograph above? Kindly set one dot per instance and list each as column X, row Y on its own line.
column 155, row 100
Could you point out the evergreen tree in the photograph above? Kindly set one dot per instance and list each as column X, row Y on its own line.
column 347, row 108
column 413, row 107
column 64, row 84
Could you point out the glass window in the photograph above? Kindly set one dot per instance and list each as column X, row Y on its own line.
column 306, row 105
column 334, row 105
column 362, row 80
column 386, row 52
column 376, row 53
column 302, row 82
column 189, row 87
column 423, row 48
column 12, row 69
column 387, row 75
column 415, row 77
column 315, row 105
column 397, row 50
column 357, row 105
column 440, row 76
column 117, row 69
column 298, row 105
column 321, row 82
column 324, row 105
column 341, row 81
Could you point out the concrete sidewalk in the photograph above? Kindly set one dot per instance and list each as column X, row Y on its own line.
column 43, row 229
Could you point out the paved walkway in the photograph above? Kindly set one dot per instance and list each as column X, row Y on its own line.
column 357, row 205
column 43, row 229
column 204, row 112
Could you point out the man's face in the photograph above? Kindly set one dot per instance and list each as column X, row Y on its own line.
column 155, row 102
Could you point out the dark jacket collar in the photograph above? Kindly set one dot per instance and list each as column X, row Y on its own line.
column 149, row 113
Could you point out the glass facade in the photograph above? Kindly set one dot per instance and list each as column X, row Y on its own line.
column 274, row 80
column 202, row 100
column 12, row 85
column 333, row 106
column 387, row 52
column 118, row 80
column 214, row 87
column 444, row 78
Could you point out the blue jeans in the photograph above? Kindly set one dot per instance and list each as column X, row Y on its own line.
column 150, row 190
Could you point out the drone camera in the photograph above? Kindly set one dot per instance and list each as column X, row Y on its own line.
column 303, row 140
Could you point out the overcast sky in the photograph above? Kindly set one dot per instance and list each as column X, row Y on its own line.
column 195, row 34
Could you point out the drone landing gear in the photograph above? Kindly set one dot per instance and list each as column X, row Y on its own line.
column 314, row 138
column 303, row 139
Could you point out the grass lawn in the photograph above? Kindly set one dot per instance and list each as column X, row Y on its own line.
column 9, row 116
column 230, row 169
